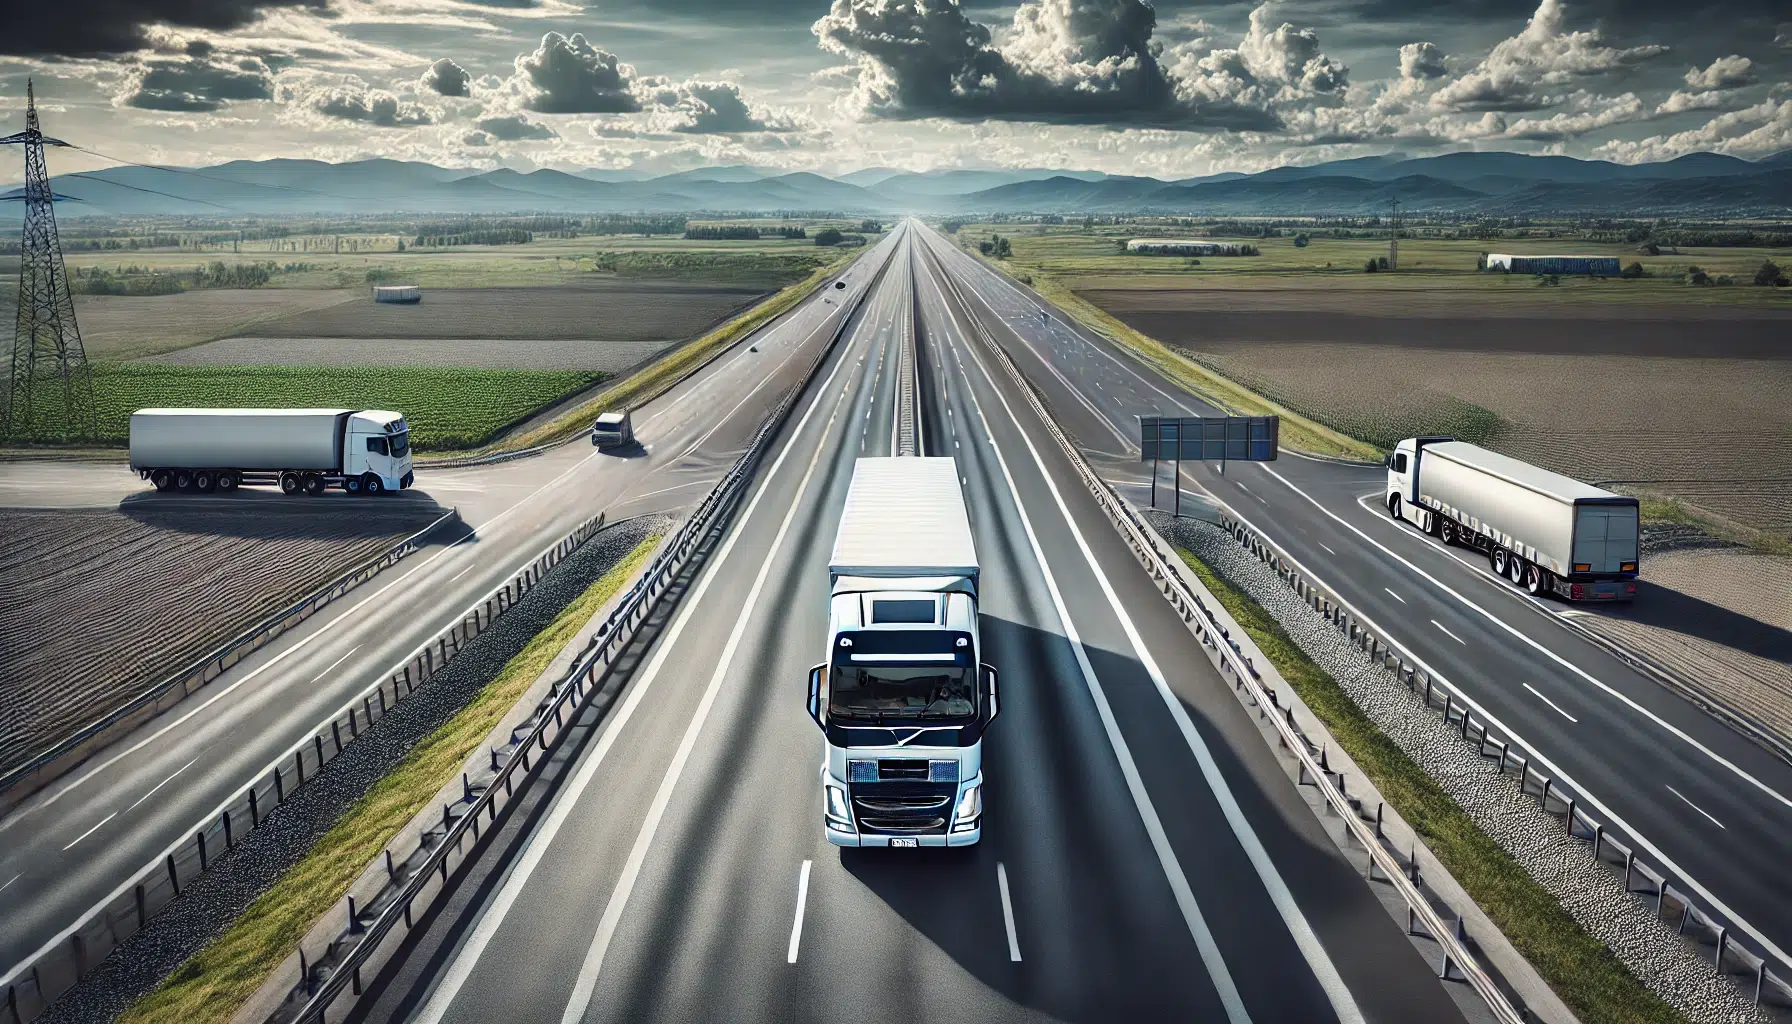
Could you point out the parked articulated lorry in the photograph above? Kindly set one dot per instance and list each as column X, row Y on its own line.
column 361, row 451
column 902, row 698
column 1543, row 531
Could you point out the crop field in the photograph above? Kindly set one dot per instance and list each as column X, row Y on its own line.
column 600, row 310
column 610, row 357
column 447, row 407
column 119, row 327
column 1694, row 405
column 1092, row 260
column 152, row 587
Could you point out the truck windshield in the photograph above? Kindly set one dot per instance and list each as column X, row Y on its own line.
column 887, row 691
column 401, row 443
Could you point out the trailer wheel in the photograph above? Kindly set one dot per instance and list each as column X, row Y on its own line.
column 1536, row 581
column 204, row 481
column 227, row 481
column 1449, row 531
column 1515, row 567
column 162, row 479
column 183, row 479
column 289, row 483
column 1497, row 558
column 371, row 484
column 351, row 484
column 314, row 484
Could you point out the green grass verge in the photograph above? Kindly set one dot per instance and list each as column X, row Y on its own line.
column 218, row 979
column 1594, row 984
column 1298, row 432
column 638, row 389
column 447, row 407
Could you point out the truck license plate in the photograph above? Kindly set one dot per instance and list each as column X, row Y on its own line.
column 908, row 843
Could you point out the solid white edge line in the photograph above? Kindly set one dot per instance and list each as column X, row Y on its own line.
column 796, row 924
column 461, row 967
column 1324, row 970
column 1696, row 807
column 1558, row 708
column 1007, row 915
column 1211, row 958
column 586, row 984
column 1525, row 638
column 91, row 831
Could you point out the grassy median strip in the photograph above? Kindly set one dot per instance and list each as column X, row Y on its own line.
column 653, row 381
column 1298, row 432
column 1592, row 981
column 218, row 979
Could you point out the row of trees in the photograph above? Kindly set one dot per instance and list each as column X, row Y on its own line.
column 135, row 280
column 480, row 236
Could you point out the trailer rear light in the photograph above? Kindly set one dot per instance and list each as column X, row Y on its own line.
column 1630, row 588
column 1577, row 592
column 1583, row 567
column 1627, row 567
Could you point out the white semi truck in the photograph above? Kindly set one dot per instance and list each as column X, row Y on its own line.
column 302, row 450
column 1545, row 532
column 902, row 697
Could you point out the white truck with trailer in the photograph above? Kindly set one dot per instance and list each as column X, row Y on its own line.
column 1545, row 532
column 301, row 450
column 902, row 698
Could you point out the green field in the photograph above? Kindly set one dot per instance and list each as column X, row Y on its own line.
column 1092, row 259
column 447, row 407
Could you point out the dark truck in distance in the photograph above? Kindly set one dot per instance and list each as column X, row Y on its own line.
column 1545, row 532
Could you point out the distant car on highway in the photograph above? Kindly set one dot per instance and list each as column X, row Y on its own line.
column 613, row 430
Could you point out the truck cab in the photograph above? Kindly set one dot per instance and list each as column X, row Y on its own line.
column 376, row 452
column 613, row 430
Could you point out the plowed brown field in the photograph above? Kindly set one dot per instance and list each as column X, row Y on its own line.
column 99, row 606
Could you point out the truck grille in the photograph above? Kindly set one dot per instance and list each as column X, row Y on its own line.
column 902, row 770
column 902, row 808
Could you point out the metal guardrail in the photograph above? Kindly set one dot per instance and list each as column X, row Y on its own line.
column 34, row 983
column 324, row 980
column 1765, row 979
column 1458, row 960
column 214, row 664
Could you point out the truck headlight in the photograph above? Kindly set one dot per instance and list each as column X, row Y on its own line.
column 837, row 803
column 971, row 804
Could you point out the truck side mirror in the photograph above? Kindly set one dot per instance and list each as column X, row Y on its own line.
column 991, row 702
column 815, row 677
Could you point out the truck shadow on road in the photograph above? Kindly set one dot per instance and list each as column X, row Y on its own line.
column 272, row 516
column 1669, row 609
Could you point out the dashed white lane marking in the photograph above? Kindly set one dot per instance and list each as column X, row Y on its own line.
column 11, row 880
column 1677, row 793
column 1327, row 547
column 1007, row 916
column 1558, row 708
column 1449, row 634
column 338, row 661
column 802, row 900
column 92, row 830
column 451, row 579
column 159, row 785
column 1395, row 596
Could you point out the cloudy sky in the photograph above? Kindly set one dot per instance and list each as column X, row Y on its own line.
column 1170, row 89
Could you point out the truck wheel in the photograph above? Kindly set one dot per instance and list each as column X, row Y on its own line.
column 351, row 484
column 183, row 479
column 1515, row 567
column 314, row 484
column 204, row 482
column 1394, row 506
column 1497, row 558
column 289, row 483
column 227, row 481
column 371, row 484
column 163, row 480
column 1536, row 581
column 1449, row 531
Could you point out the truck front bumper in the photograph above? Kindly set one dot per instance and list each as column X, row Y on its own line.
column 839, row 838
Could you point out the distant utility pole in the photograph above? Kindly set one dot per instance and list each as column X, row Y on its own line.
column 1394, row 239
column 46, row 329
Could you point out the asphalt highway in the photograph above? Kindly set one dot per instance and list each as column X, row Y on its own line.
column 1714, row 806
column 1144, row 855
column 72, row 845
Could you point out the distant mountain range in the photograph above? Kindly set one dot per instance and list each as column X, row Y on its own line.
column 1476, row 183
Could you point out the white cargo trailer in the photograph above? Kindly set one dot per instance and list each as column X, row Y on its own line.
column 1543, row 531
column 302, row 450
column 902, row 699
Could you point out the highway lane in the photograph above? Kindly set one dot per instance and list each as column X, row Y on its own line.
column 680, row 873
column 1706, row 800
column 70, row 846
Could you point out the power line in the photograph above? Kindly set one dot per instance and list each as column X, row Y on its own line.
column 138, row 188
